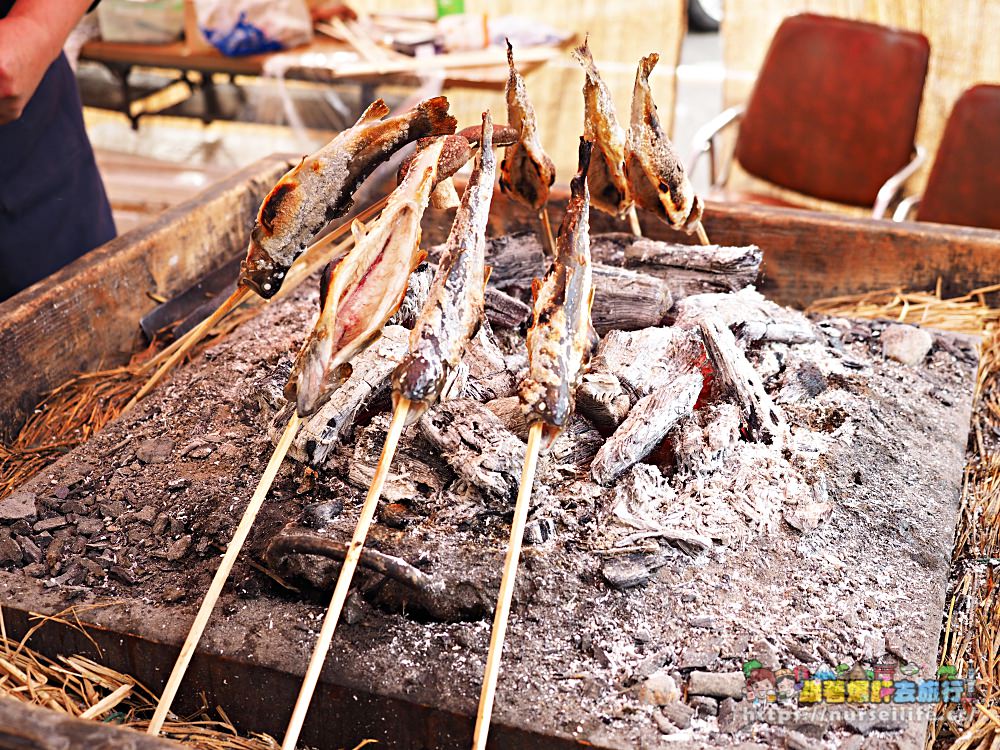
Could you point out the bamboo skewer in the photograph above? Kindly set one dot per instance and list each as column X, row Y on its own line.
column 699, row 228
column 502, row 613
column 346, row 574
column 548, row 240
column 166, row 360
column 225, row 567
column 633, row 221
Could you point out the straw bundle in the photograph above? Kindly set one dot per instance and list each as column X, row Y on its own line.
column 620, row 33
column 971, row 637
column 964, row 52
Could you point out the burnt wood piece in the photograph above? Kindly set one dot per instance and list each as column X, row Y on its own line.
column 486, row 374
column 477, row 446
column 575, row 447
column 623, row 299
column 25, row 727
column 510, row 412
column 694, row 269
column 505, row 311
column 630, row 365
column 762, row 421
column 417, row 289
column 369, row 382
column 294, row 540
column 646, row 425
column 417, row 468
column 749, row 316
column 682, row 270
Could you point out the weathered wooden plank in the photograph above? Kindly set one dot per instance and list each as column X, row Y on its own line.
column 86, row 315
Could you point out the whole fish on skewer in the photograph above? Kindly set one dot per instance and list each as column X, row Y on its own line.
column 562, row 338
column 363, row 290
column 527, row 172
column 322, row 186
column 454, row 307
column 606, row 180
column 656, row 177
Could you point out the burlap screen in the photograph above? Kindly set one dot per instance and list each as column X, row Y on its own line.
column 620, row 33
column 965, row 49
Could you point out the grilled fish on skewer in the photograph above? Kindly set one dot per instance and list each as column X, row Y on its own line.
column 606, row 177
column 321, row 187
column 365, row 288
column 655, row 174
column 455, row 304
column 562, row 338
column 526, row 173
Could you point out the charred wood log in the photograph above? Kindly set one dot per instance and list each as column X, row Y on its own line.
column 647, row 424
column 630, row 365
column 511, row 414
column 749, row 315
column 487, row 376
column 762, row 421
column 477, row 446
column 505, row 311
column 626, row 300
column 417, row 468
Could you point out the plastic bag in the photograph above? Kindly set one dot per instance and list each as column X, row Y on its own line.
column 249, row 27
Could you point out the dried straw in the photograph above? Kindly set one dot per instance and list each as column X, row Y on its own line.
column 84, row 688
column 971, row 638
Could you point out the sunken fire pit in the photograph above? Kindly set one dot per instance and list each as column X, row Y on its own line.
column 743, row 483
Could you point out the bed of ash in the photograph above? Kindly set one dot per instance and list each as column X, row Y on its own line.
column 816, row 534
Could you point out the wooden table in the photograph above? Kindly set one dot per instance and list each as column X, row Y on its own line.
column 314, row 62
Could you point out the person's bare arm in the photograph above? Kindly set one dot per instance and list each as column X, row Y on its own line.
column 31, row 37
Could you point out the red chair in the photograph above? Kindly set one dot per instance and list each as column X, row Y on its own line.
column 964, row 183
column 832, row 115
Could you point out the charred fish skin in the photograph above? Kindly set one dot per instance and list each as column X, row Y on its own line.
column 455, row 303
column 322, row 187
column 527, row 172
column 364, row 289
column 656, row 177
column 606, row 177
column 562, row 338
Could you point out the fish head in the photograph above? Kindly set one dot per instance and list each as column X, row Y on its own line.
column 268, row 255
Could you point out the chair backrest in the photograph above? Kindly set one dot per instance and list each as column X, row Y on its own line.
column 964, row 184
column 834, row 110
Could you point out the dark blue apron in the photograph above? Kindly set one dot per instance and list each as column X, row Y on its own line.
column 53, row 207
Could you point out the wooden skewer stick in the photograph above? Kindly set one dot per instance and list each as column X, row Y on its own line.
column 225, row 567
column 550, row 243
column 346, row 574
column 166, row 360
column 633, row 221
column 507, row 588
column 699, row 228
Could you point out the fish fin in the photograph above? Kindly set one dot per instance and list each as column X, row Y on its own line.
column 358, row 230
column 510, row 56
column 324, row 283
column 578, row 184
column 436, row 112
column 536, row 284
column 582, row 53
column 419, row 258
column 647, row 64
column 376, row 111
column 486, row 274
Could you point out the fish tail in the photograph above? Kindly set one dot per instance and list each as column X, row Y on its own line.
column 583, row 55
column 324, row 283
column 647, row 64
column 579, row 182
column 510, row 55
column 376, row 111
column 435, row 112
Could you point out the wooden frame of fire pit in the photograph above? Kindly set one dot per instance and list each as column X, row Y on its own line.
column 86, row 317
